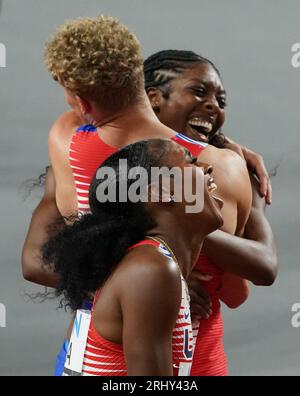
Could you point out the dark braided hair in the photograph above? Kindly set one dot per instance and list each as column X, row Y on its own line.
column 86, row 252
column 164, row 66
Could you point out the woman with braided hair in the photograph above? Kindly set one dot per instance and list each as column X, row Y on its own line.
column 187, row 94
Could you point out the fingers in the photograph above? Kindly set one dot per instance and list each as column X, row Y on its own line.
column 200, row 299
column 199, row 312
column 256, row 163
column 198, row 293
column 197, row 276
column 197, row 299
column 265, row 184
column 269, row 195
column 263, row 188
column 200, row 305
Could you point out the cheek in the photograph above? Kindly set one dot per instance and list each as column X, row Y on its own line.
column 221, row 118
column 171, row 116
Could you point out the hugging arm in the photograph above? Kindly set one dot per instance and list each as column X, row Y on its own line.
column 255, row 163
column 252, row 257
column 44, row 215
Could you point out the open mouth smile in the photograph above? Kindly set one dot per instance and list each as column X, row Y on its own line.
column 201, row 127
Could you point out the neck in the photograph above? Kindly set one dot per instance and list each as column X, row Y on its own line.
column 186, row 245
column 128, row 117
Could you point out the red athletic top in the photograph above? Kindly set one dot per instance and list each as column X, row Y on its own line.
column 105, row 358
column 209, row 355
column 87, row 152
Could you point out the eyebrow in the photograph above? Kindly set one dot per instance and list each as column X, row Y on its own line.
column 197, row 81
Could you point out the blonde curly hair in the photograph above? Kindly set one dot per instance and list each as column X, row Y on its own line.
column 98, row 59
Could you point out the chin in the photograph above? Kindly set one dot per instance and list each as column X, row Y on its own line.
column 218, row 219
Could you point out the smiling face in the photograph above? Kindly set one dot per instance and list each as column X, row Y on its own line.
column 210, row 216
column 195, row 102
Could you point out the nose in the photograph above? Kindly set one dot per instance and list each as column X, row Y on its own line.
column 211, row 105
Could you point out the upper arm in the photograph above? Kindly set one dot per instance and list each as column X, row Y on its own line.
column 59, row 138
column 232, row 178
column 242, row 191
column 45, row 215
column 150, row 306
column 258, row 227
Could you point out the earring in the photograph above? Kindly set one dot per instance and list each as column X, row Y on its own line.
column 155, row 106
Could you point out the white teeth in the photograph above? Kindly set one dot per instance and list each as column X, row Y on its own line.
column 197, row 122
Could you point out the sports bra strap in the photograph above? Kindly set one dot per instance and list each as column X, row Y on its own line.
column 144, row 242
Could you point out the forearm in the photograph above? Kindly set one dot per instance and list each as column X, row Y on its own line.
column 234, row 291
column 45, row 220
column 34, row 270
column 250, row 259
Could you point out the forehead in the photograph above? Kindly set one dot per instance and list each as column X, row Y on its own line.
column 201, row 73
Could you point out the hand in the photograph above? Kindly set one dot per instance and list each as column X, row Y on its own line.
column 200, row 299
column 256, row 163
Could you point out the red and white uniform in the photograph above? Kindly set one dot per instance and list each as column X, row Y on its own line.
column 104, row 358
column 87, row 153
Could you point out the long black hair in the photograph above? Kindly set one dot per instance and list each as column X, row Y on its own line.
column 85, row 253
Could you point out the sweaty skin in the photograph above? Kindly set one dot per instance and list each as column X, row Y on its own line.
column 234, row 188
column 194, row 103
column 133, row 316
column 146, row 269
column 143, row 322
column 47, row 210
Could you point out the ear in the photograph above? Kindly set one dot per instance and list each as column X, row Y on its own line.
column 84, row 105
column 155, row 96
column 157, row 193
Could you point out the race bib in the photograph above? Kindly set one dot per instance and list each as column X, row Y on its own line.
column 77, row 345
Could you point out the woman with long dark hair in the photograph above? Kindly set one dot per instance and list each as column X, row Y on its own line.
column 132, row 257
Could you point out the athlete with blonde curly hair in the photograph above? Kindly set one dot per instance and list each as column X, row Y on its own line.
column 106, row 64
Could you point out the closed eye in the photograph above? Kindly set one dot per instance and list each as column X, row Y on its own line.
column 198, row 91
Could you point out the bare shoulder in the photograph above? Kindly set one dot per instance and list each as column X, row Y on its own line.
column 145, row 270
column 64, row 126
column 49, row 182
column 223, row 158
column 229, row 169
column 232, row 177
column 258, row 202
